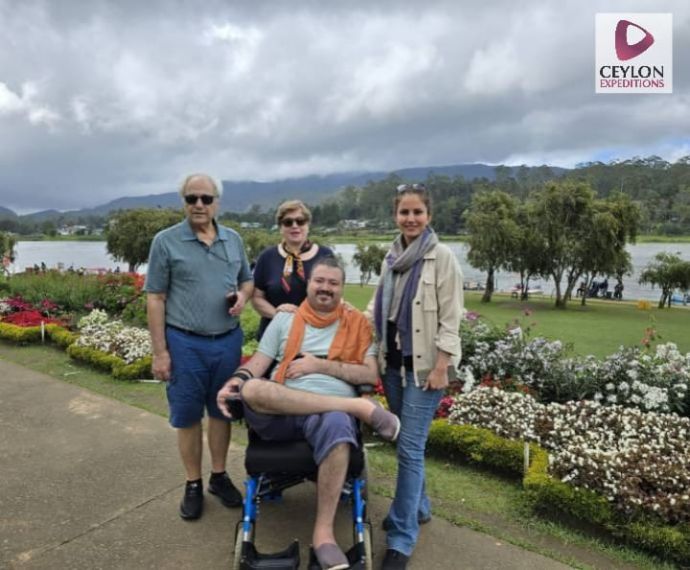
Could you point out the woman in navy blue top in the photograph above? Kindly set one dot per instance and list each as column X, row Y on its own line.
column 281, row 272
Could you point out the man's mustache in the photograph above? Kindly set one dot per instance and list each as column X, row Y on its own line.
column 322, row 292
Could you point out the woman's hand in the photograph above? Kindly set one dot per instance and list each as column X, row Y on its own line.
column 437, row 379
column 286, row 308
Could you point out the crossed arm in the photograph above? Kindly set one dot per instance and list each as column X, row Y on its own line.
column 355, row 374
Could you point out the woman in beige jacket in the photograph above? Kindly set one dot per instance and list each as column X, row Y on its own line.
column 417, row 310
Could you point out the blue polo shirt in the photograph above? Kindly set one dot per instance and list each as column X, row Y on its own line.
column 196, row 277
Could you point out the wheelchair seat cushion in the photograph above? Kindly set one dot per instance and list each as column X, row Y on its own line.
column 297, row 444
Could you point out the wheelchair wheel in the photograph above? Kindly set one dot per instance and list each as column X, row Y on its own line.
column 239, row 539
column 368, row 550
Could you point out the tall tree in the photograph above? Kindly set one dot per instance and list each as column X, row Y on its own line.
column 493, row 230
column 129, row 233
column 7, row 243
column 669, row 272
column 563, row 212
column 582, row 235
column 369, row 259
column 528, row 256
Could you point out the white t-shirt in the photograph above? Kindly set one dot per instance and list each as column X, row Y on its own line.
column 317, row 342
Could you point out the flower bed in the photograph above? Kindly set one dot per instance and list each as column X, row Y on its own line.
column 548, row 492
column 633, row 377
column 113, row 337
column 17, row 311
column 612, row 450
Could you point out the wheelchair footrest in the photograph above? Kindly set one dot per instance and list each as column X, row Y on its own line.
column 355, row 556
column 252, row 559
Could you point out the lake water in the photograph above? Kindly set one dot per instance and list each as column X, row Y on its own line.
column 93, row 254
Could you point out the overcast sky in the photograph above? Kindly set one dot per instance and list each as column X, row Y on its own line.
column 104, row 99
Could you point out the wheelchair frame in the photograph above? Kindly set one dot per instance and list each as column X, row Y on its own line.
column 267, row 486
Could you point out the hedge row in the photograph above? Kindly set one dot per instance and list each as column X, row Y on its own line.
column 65, row 339
column 484, row 447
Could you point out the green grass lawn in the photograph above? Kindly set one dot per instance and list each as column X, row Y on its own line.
column 598, row 328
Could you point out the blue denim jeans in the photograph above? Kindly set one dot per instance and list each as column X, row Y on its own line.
column 415, row 408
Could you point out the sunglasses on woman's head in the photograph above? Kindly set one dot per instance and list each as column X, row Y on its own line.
column 206, row 199
column 289, row 222
column 408, row 187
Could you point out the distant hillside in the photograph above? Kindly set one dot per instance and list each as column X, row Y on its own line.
column 240, row 196
column 6, row 213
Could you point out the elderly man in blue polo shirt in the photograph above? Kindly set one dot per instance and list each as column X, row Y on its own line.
column 197, row 284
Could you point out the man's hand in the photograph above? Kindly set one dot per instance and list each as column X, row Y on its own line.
column 160, row 367
column 236, row 309
column 230, row 391
column 306, row 364
column 437, row 379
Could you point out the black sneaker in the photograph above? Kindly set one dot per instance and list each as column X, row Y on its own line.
column 386, row 524
column 192, row 504
column 394, row 560
column 222, row 487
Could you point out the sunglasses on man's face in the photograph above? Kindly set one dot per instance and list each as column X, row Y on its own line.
column 410, row 187
column 289, row 222
column 192, row 199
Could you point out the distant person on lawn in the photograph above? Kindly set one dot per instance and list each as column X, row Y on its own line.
column 197, row 284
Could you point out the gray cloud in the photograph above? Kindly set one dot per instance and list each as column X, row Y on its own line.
column 106, row 99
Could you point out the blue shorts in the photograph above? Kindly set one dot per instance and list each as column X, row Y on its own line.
column 200, row 368
column 322, row 431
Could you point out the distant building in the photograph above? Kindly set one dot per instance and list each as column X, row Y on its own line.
column 354, row 224
column 250, row 225
column 71, row 230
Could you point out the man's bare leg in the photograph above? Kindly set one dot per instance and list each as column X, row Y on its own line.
column 331, row 478
column 218, row 443
column 272, row 398
column 190, row 446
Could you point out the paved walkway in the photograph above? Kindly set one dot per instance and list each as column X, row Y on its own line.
column 91, row 483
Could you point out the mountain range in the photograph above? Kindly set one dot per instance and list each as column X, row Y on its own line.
column 240, row 196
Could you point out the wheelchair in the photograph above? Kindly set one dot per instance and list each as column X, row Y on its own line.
column 272, row 467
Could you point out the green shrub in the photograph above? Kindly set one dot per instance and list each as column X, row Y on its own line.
column 20, row 335
column 478, row 445
column 70, row 291
column 135, row 312
column 139, row 369
column 75, row 293
column 61, row 336
column 548, row 493
column 250, row 320
column 97, row 358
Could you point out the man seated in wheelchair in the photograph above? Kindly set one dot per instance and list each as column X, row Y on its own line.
column 323, row 350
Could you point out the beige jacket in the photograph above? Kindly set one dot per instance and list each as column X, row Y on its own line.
column 436, row 312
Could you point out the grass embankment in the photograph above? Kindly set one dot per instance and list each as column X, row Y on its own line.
column 463, row 494
column 598, row 328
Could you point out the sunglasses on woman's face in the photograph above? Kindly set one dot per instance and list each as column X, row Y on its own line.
column 192, row 199
column 289, row 222
column 410, row 187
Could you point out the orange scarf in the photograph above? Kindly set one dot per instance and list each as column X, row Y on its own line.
column 350, row 343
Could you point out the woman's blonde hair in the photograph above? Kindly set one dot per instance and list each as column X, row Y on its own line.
column 291, row 206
